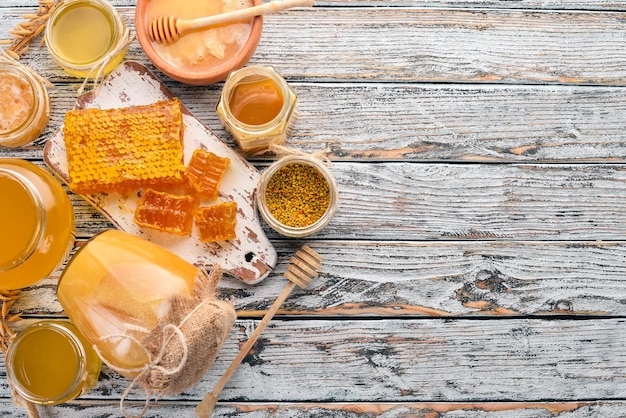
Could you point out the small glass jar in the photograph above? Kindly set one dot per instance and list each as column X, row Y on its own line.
column 117, row 288
column 308, row 183
column 36, row 223
column 257, row 107
column 24, row 106
column 50, row 362
column 81, row 35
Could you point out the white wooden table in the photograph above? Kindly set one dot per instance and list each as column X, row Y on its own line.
column 476, row 266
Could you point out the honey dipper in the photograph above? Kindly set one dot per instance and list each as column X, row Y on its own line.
column 301, row 271
column 167, row 29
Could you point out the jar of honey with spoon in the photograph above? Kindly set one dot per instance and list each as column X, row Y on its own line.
column 257, row 107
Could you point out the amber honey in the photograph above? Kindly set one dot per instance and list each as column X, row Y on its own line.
column 257, row 107
column 50, row 362
column 36, row 221
column 116, row 288
column 256, row 102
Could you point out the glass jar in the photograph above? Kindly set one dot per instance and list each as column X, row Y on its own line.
column 257, row 107
column 117, row 288
column 81, row 35
column 36, row 223
column 24, row 106
column 50, row 362
column 297, row 195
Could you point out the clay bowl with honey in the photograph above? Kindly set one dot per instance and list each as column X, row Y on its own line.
column 205, row 56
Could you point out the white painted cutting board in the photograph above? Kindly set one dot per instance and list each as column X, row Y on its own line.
column 251, row 256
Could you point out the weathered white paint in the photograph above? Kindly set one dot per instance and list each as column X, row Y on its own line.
column 251, row 256
column 476, row 265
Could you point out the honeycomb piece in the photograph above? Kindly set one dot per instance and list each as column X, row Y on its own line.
column 205, row 171
column 217, row 222
column 127, row 148
column 166, row 212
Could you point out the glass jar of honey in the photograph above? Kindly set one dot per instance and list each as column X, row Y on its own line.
column 36, row 223
column 257, row 107
column 50, row 362
column 297, row 195
column 83, row 35
column 24, row 106
column 117, row 288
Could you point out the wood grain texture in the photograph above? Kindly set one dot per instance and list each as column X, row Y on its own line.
column 427, row 45
column 182, row 409
column 410, row 361
column 426, row 279
column 406, row 122
column 467, row 202
column 476, row 265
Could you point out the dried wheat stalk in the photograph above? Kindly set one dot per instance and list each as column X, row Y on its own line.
column 25, row 32
column 8, row 298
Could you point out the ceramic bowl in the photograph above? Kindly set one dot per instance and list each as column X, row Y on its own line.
column 204, row 76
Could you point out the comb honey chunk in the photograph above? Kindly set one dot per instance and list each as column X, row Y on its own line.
column 217, row 222
column 122, row 149
column 166, row 212
column 205, row 171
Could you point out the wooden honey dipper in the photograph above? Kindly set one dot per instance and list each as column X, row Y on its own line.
column 167, row 29
column 301, row 271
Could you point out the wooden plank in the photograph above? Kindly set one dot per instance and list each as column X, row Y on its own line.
column 426, row 279
column 413, row 360
column 428, row 45
column 406, row 122
column 424, row 201
column 590, row 5
column 179, row 409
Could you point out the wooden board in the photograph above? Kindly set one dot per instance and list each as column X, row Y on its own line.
column 251, row 256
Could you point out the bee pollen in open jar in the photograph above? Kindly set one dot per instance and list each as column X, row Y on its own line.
column 24, row 106
column 297, row 196
column 50, row 362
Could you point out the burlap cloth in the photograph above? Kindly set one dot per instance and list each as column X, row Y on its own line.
column 187, row 342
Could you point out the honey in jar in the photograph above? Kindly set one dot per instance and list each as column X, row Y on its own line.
column 24, row 106
column 37, row 223
column 257, row 107
column 80, row 35
column 117, row 288
column 256, row 102
column 50, row 362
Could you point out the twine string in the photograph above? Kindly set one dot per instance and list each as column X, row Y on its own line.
column 8, row 59
column 169, row 331
column 283, row 151
column 98, row 69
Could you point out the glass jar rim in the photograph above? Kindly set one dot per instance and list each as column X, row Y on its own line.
column 297, row 232
column 117, row 32
column 9, row 135
column 56, row 326
column 255, row 72
column 40, row 220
